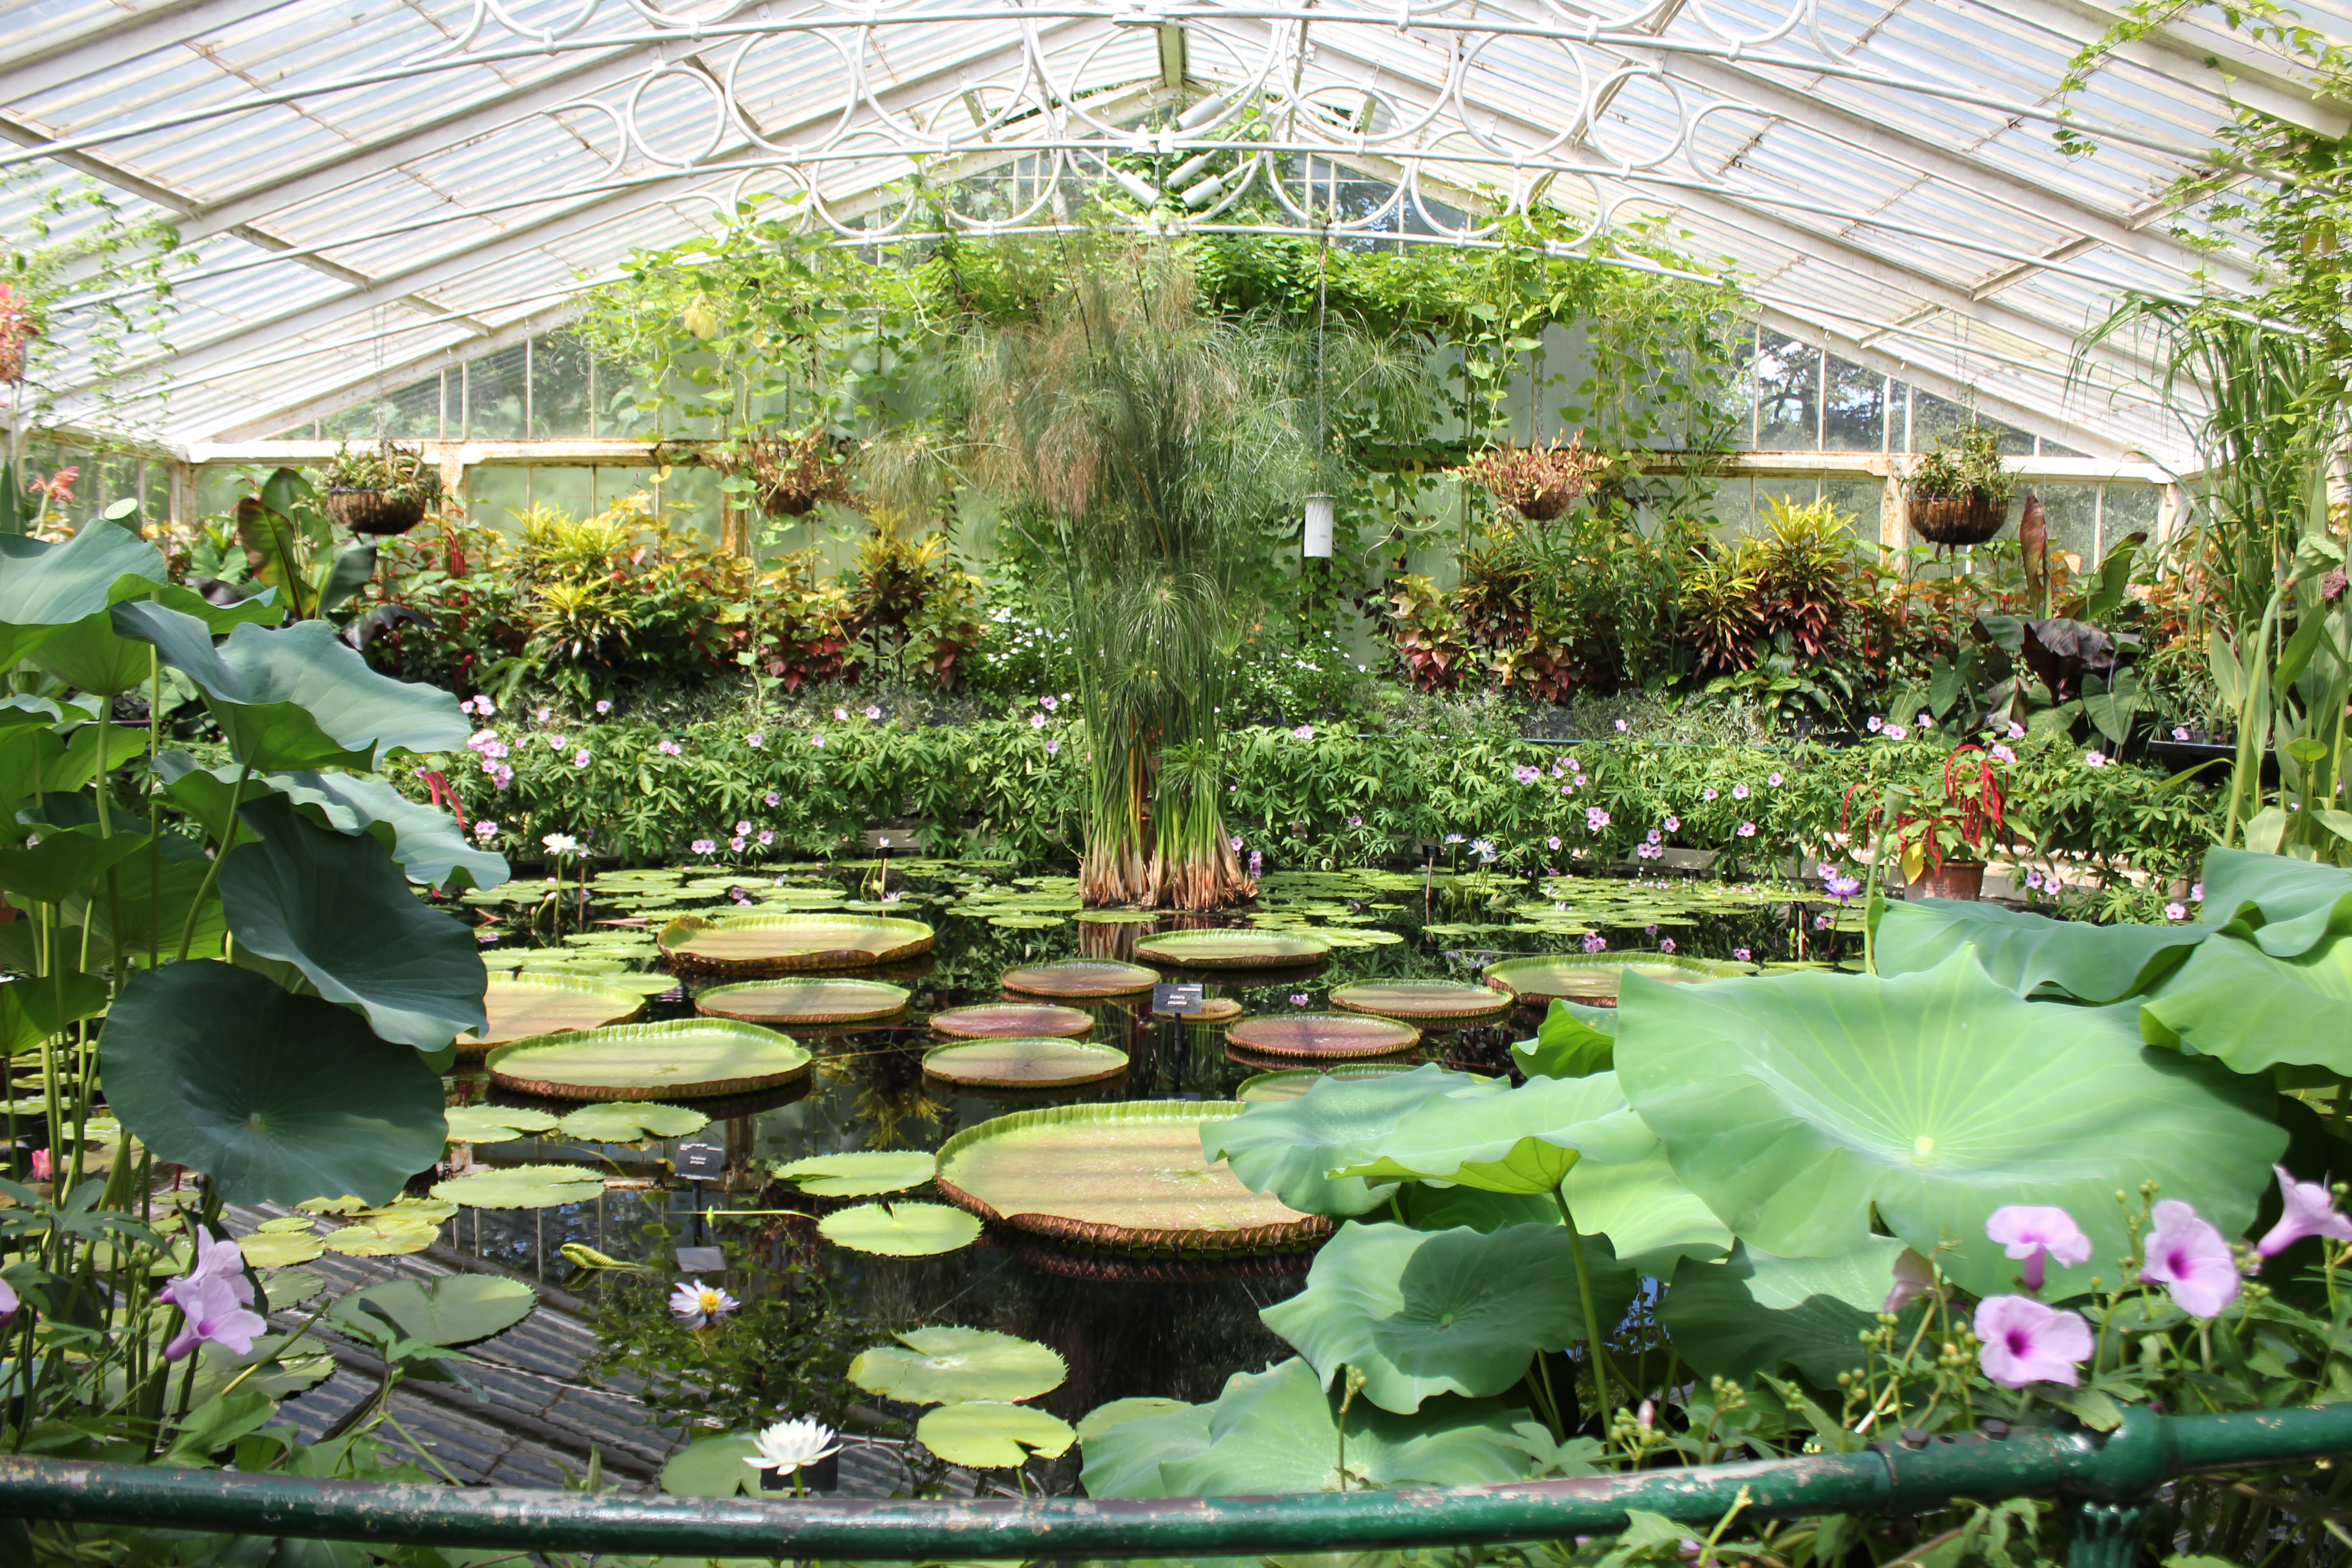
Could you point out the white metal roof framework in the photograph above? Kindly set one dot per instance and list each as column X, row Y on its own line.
column 369, row 186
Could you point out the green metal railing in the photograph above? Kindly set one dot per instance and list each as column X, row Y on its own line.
column 2108, row 1481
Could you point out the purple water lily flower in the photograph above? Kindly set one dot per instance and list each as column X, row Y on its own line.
column 1839, row 886
column 695, row 1304
column 1666, row 945
column 2025, row 1342
column 215, row 1298
column 2035, row 1233
column 2310, row 1211
column 2191, row 1260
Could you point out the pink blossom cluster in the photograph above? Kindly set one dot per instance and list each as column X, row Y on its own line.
column 492, row 751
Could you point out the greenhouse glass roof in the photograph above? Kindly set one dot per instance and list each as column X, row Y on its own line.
column 369, row 185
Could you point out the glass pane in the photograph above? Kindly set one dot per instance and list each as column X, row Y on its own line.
column 613, row 487
column 218, row 489
column 566, row 490
column 1860, row 501
column 691, row 498
column 119, row 477
column 2015, row 442
column 617, row 394
column 1791, row 491
column 1855, row 417
column 2131, row 509
column 559, row 387
column 414, row 413
column 2069, row 511
column 1788, row 395
column 494, row 395
column 1740, row 391
column 493, row 495
column 1733, row 508
column 2052, row 449
column 159, row 492
column 1933, row 417
column 1898, row 418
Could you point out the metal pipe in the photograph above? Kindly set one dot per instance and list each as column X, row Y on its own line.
column 2112, row 1476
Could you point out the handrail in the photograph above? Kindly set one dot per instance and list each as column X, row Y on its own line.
column 2111, row 1479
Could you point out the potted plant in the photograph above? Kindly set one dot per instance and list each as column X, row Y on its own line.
column 1943, row 827
column 1538, row 482
column 386, row 490
column 788, row 473
column 1960, row 492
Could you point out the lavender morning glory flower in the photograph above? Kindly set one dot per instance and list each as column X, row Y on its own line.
column 215, row 1298
column 2191, row 1260
column 1894, row 731
column 2310, row 1211
column 2025, row 1342
column 1773, row 780
column 874, row 713
column 1708, row 794
column 2035, row 1233
column 1049, row 701
column 1739, row 792
column 705, row 846
column 1303, row 733
column 1742, row 954
column 817, row 738
column 486, row 831
column 1666, row 945
column 1747, row 830
column 1595, row 819
column 1876, row 723
column 603, row 705
column 772, row 798
column 755, row 739
column 1036, row 721
column 1674, row 824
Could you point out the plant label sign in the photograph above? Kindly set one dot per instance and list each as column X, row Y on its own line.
column 700, row 1162
column 1179, row 1000
column 701, row 1261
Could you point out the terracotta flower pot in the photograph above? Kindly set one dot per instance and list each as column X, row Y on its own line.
column 1955, row 879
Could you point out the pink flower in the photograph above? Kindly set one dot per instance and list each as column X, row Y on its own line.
column 1656, row 835
column 1036, row 721
column 742, row 827
column 1674, row 824
column 1052, row 748
column 736, row 845
column 542, row 714
column 2176, row 912
column 486, row 831
column 2310, row 1210
column 1747, row 830
column 1739, row 792
column 874, row 713
column 1552, row 843
column 1876, row 723
column 2197, row 893
column 2025, row 1342
column 1914, row 1277
column 1595, row 819
column 1358, row 822
column 555, row 742
column 1708, row 794
column 2180, row 732
column 1049, row 702
column 1894, row 731
column 603, row 705
column 1299, row 998
column 841, row 713
column 1925, row 721
column 1237, row 843
column 2035, row 1233
column 1525, row 774
column 670, row 749
column 504, row 777
column 2094, row 760
column 1773, row 780
column 1595, row 942
column 2016, row 730
column 213, row 1297
column 705, row 846
column 1303, row 733
column 44, row 1169
column 1622, row 726
column 1666, row 945
column 2191, row 1260
column 2001, row 753
column 580, row 759
column 766, row 839
column 772, row 798
column 755, row 739
column 1742, row 954
column 816, row 739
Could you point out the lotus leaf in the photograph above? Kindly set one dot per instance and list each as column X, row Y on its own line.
column 1317, row 1036
column 1291, row 1149
column 1424, row 1312
column 938, row 1366
column 524, row 1006
column 1291, row 1083
column 1437, row 1001
column 2032, row 954
column 1650, row 1218
column 1594, row 978
column 1574, row 1041
column 684, row 1058
column 2235, row 1002
column 1797, row 1106
column 901, row 1230
column 335, row 907
column 431, row 849
column 522, row 1188
column 300, row 697
column 1754, row 1313
column 1230, row 949
column 1278, row 1431
column 988, row 1435
column 628, row 1120
column 1427, row 1207
column 803, row 1000
column 1120, row 1412
column 1080, row 978
column 1012, row 1021
column 46, row 587
column 1123, row 1457
column 2291, row 904
column 762, row 943
column 270, row 1094
column 1524, row 1139
column 1023, row 1064
column 859, row 1174
column 494, row 1124
column 713, row 1467
column 456, row 1310
column 61, row 862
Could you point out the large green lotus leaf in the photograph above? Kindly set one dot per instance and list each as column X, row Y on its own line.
column 1524, row 1139
column 66, row 861
column 2292, row 904
column 1123, row 1457
column 455, row 1309
column 35, row 1009
column 1277, row 1431
column 91, row 656
column 1796, row 1105
column 627, row 1120
column 1120, row 1412
column 300, row 697
column 2033, row 954
column 427, row 842
column 522, row 1188
column 152, row 894
column 1289, row 1148
column 276, row 1097
column 2235, row 1002
column 936, row 1366
column 1727, row 1323
column 859, row 1174
column 989, row 1435
column 1421, row 1313
column 335, row 907
column 45, row 587
column 1650, row 1218
column 1574, row 1041
column 1425, row 1207
column 901, row 1230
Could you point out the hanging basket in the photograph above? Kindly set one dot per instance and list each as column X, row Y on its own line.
column 1969, row 518
column 12, row 356
column 375, row 512
column 1543, row 505
column 782, row 500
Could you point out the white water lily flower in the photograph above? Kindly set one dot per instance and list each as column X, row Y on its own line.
column 561, row 845
column 794, row 1445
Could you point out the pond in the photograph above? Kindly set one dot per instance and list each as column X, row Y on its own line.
column 1125, row 1325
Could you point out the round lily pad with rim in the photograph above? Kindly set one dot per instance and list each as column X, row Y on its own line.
column 524, row 1006
column 522, row 1188
column 901, row 1230
column 1233, row 949
column 1323, row 1037
column 807, row 999
column 858, row 1172
column 1593, row 978
column 941, row 1366
column 1214, row 1010
column 1012, row 1021
column 988, row 1435
column 1129, row 1176
column 685, row 1059
column 1080, row 978
column 1434, row 1001
column 1291, row 1083
column 1050, row 1063
column 749, row 946
column 631, row 1120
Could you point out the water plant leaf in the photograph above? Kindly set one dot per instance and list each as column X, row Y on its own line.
column 749, row 945
column 2235, row 1002
column 803, row 1000
column 298, row 697
column 2291, row 904
column 272, row 1095
column 1423, row 1312
column 1290, row 1083
column 901, row 1230
column 1524, row 1139
column 280, row 1249
column 47, row 587
column 522, row 1188
column 1652, row 1220
column 1290, row 1149
column 1091, row 978
column 713, row 1467
column 372, row 1239
column 936, row 1366
column 495, row 1123
column 859, row 1174
column 1053, row 1063
column 335, row 907
column 2030, row 953
column 1230, row 949
column 65, row 862
column 680, row 1059
column 1012, row 1021
column 454, row 1310
column 523, row 1006
column 1123, row 1457
column 1595, row 978
column 431, row 849
column 1429, row 999
column 1573, row 1041
column 1798, row 1106
column 1727, row 1325
column 1119, row 1412
column 627, row 1120
column 1323, row 1036
column 988, row 1435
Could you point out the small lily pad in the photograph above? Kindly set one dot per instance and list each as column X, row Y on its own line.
column 494, row 1124
column 901, row 1230
column 627, row 1120
column 344, row 1204
column 938, row 1366
column 988, row 1436
column 1012, row 1021
column 858, row 1173
column 278, row 1250
column 373, row 1240
column 1023, row 1064
column 522, row 1188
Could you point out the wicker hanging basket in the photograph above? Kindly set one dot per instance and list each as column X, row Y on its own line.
column 1969, row 518
column 784, row 501
column 375, row 512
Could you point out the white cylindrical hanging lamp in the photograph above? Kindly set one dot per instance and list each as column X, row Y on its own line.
column 1318, row 527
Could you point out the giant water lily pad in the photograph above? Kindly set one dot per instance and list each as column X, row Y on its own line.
column 1424, row 1312
column 686, row 1058
column 1023, row 1064
column 1593, row 978
column 747, row 946
column 901, row 1230
column 629, row 1121
column 937, row 1366
column 806, row 999
column 1430, row 1001
column 523, row 1006
column 2030, row 953
column 1289, row 1149
column 1080, row 978
column 1010, row 1021
column 522, row 1188
column 1797, row 1107
column 1329, row 1037
column 1524, row 1139
column 988, row 1434
column 1231, row 949
column 2235, row 1002
column 858, row 1172
column 1292, row 1083
column 1128, row 1175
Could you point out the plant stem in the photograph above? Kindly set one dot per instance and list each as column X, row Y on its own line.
column 1592, row 1331
column 212, row 872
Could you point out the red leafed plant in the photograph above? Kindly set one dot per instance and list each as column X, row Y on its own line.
column 1968, row 813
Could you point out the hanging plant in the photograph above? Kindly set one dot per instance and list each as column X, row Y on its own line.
column 17, row 325
column 1538, row 482
column 1960, row 492
column 789, row 474
column 384, row 490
